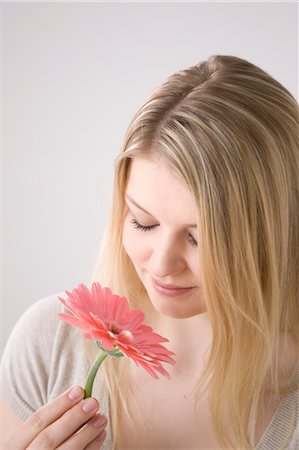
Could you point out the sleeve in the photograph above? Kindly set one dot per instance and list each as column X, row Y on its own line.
column 24, row 369
column 294, row 444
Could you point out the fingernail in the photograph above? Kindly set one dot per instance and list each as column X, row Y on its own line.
column 99, row 421
column 74, row 393
column 89, row 405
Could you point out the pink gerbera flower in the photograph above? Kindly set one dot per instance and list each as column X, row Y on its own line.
column 117, row 330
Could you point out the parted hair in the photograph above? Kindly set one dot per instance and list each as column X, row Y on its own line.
column 231, row 133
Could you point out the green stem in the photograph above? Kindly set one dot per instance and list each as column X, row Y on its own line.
column 92, row 373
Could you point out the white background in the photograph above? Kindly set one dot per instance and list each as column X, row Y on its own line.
column 73, row 74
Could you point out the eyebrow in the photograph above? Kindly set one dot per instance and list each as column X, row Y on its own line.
column 131, row 200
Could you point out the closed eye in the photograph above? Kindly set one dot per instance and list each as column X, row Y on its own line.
column 192, row 241
column 141, row 227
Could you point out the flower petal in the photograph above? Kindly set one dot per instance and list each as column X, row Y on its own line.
column 107, row 318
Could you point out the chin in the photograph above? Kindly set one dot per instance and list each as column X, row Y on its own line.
column 178, row 311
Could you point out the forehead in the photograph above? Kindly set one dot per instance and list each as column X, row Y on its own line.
column 154, row 185
column 151, row 165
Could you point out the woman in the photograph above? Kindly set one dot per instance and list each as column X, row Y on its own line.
column 203, row 237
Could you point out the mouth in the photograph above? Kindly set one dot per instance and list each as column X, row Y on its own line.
column 171, row 290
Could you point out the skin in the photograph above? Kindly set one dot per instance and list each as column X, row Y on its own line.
column 160, row 237
column 167, row 253
column 55, row 425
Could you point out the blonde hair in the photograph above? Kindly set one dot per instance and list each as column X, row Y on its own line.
column 231, row 132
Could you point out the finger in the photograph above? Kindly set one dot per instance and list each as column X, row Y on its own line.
column 88, row 434
column 66, row 426
column 97, row 443
column 44, row 416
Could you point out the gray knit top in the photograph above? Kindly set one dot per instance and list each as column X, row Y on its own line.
column 44, row 357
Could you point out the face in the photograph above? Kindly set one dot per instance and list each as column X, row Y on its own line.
column 160, row 237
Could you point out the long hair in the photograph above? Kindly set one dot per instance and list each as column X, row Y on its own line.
column 231, row 133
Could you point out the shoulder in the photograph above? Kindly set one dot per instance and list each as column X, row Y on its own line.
column 284, row 426
column 43, row 357
column 36, row 326
column 294, row 443
column 41, row 317
column 36, row 329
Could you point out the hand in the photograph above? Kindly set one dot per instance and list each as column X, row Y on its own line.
column 67, row 423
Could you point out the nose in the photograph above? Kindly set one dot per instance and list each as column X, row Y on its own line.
column 167, row 258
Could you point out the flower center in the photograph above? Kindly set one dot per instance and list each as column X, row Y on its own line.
column 114, row 327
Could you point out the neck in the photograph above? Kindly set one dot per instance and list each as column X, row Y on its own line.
column 189, row 339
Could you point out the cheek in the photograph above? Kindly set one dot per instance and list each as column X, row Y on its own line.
column 128, row 241
column 195, row 267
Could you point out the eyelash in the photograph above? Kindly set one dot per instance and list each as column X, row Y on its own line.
column 140, row 227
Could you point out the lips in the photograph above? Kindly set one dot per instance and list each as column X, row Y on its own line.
column 170, row 290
